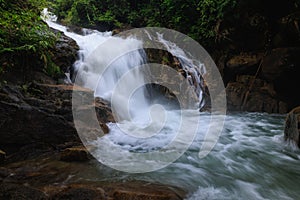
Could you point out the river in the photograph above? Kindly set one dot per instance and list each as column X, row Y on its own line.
column 249, row 161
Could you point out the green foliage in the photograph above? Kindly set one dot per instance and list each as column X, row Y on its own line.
column 197, row 18
column 211, row 12
column 49, row 67
column 24, row 36
column 91, row 12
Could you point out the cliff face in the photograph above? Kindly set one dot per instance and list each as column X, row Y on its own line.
column 258, row 56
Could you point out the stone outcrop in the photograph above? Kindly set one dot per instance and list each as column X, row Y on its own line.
column 2, row 156
column 270, row 79
column 281, row 68
column 263, row 43
column 252, row 94
column 75, row 154
column 292, row 127
column 65, row 53
column 40, row 116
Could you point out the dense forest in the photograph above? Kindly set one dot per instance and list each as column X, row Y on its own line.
column 207, row 21
column 211, row 22
column 198, row 19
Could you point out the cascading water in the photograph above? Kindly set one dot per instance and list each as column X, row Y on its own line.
column 194, row 69
column 250, row 160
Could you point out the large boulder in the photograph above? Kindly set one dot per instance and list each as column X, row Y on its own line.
column 258, row 31
column 292, row 127
column 40, row 115
column 254, row 95
column 241, row 64
column 274, row 75
column 281, row 67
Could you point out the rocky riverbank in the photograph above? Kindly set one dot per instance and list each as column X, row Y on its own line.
column 40, row 150
column 258, row 57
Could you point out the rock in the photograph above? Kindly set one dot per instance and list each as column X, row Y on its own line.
column 64, row 54
column 4, row 172
column 41, row 114
column 159, row 195
column 2, row 156
column 281, row 67
column 75, row 154
column 16, row 191
column 288, row 31
column 80, row 193
column 28, row 121
column 255, row 31
column 274, row 88
column 116, row 191
column 75, row 180
column 260, row 98
column 243, row 61
column 33, row 66
column 144, row 191
column 104, row 113
column 279, row 63
column 292, row 126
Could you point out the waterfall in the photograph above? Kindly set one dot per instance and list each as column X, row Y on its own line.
column 121, row 55
column 250, row 160
column 157, row 133
column 194, row 69
column 111, row 57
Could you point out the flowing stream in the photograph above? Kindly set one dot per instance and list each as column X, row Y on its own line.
column 249, row 161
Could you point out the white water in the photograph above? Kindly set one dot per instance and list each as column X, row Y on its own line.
column 103, row 60
column 194, row 69
column 250, row 160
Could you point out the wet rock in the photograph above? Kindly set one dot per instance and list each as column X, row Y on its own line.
column 70, row 180
column 2, row 156
column 16, row 191
column 4, row 172
column 64, row 54
column 292, row 126
column 288, row 31
column 278, row 76
column 253, row 95
column 116, row 191
column 128, row 195
column 75, row 154
column 280, row 62
column 41, row 114
column 104, row 113
column 79, row 192
column 281, row 67
column 144, row 191
column 243, row 61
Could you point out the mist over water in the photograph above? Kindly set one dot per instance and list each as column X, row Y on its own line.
column 250, row 160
